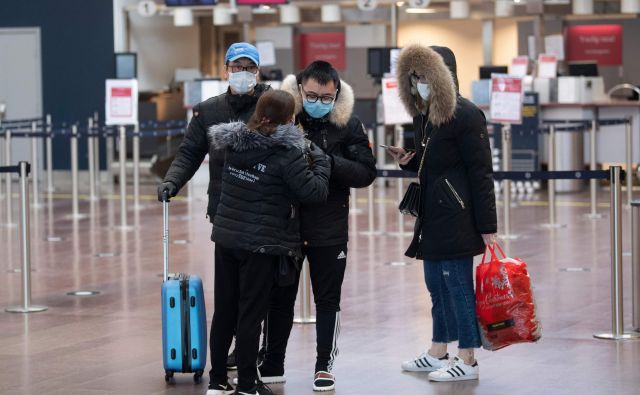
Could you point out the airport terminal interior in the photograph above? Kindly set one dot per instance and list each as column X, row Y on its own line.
column 96, row 98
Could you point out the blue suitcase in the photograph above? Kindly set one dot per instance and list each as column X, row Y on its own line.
column 184, row 320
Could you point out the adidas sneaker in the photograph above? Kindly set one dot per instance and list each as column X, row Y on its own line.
column 425, row 363
column 456, row 370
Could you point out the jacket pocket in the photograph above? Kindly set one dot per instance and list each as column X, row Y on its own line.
column 454, row 193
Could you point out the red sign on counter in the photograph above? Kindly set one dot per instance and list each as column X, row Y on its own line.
column 329, row 47
column 506, row 99
column 600, row 43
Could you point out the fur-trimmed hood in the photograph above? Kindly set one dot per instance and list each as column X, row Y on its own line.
column 422, row 60
column 342, row 110
column 237, row 136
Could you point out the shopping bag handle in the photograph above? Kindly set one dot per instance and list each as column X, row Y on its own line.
column 492, row 251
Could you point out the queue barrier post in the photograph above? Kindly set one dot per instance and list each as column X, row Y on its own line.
column 25, row 245
column 617, row 309
column 304, row 296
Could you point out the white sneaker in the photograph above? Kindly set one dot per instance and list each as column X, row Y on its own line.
column 456, row 370
column 425, row 363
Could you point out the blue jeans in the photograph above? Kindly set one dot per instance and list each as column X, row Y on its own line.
column 450, row 283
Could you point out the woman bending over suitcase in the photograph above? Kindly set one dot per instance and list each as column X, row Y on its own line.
column 268, row 172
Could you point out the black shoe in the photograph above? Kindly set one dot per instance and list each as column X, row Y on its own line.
column 231, row 361
column 259, row 389
column 216, row 388
column 270, row 375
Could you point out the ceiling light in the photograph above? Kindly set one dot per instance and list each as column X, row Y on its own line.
column 421, row 11
column 400, row 3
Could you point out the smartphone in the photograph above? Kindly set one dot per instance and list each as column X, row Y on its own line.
column 389, row 147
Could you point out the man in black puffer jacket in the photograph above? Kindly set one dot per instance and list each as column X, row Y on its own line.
column 324, row 109
column 242, row 63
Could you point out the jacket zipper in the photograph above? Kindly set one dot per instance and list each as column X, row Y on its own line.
column 325, row 144
column 455, row 193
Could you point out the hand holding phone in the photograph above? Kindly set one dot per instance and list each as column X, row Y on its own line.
column 399, row 154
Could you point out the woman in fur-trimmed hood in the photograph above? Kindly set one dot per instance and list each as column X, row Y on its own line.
column 457, row 202
column 256, row 228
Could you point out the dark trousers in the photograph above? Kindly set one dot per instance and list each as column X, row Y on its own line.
column 243, row 282
column 327, row 266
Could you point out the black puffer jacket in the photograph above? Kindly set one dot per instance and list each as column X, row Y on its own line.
column 342, row 136
column 458, row 201
column 194, row 146
column 264, row 181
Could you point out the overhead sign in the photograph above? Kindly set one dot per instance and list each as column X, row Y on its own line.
column 121, row 102
column 547, row 66
column 519, row 66
column 329, row 47
column 599, row 43
column 506, row 99
column 367, row 5
column 393, row 109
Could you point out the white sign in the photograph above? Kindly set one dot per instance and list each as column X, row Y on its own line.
column 267, row 52
column 394, row 111
column 506, row 99
column 419, row 3
column 121, row 102
column 547, row 66
column 367, row 5
column 147, row 8
column 519, row 66
column 554, row 45
column 212, row 88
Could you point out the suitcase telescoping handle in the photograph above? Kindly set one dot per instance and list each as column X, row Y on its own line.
column 165, row 234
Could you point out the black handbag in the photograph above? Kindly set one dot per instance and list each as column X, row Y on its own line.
column 410, row 203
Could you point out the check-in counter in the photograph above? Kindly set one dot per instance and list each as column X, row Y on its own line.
column 610, row 140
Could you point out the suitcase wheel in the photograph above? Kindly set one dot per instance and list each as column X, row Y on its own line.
column 168, row 376
column 197, row 377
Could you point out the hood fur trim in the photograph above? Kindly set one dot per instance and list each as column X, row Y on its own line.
column 342, row 110
column 237, row 136
column 425, row 61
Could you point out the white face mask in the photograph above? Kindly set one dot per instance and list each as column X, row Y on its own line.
column 423, row 90
column 242, row 82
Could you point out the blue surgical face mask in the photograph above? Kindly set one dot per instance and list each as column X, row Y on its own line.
column 423, row 90
column 242, row 82
column 317, row 109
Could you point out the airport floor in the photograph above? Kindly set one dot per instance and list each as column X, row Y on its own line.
column 110, row 343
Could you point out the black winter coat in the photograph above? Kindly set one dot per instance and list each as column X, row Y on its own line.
column 264, row 181
column 457, row 196
column 195, row 146
column 341, row 135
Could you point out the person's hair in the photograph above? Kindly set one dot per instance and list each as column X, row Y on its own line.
column 274, row 108
column 321, row 71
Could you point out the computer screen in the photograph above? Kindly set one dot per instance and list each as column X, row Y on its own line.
column 126, row 65
column 587, row 69
column 486, row 71
column 379, row 61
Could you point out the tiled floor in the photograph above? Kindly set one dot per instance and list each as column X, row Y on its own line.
column 111, row 343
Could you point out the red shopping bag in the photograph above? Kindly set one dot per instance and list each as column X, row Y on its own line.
column 504, row 302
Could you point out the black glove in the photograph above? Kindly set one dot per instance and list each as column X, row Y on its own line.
column 170, row 188
column 317, row 154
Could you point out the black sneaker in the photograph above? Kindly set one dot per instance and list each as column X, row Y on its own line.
column 231, row 361
column 216, row 388
column 324, row 381
column 259, row 389
column 269, row 375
